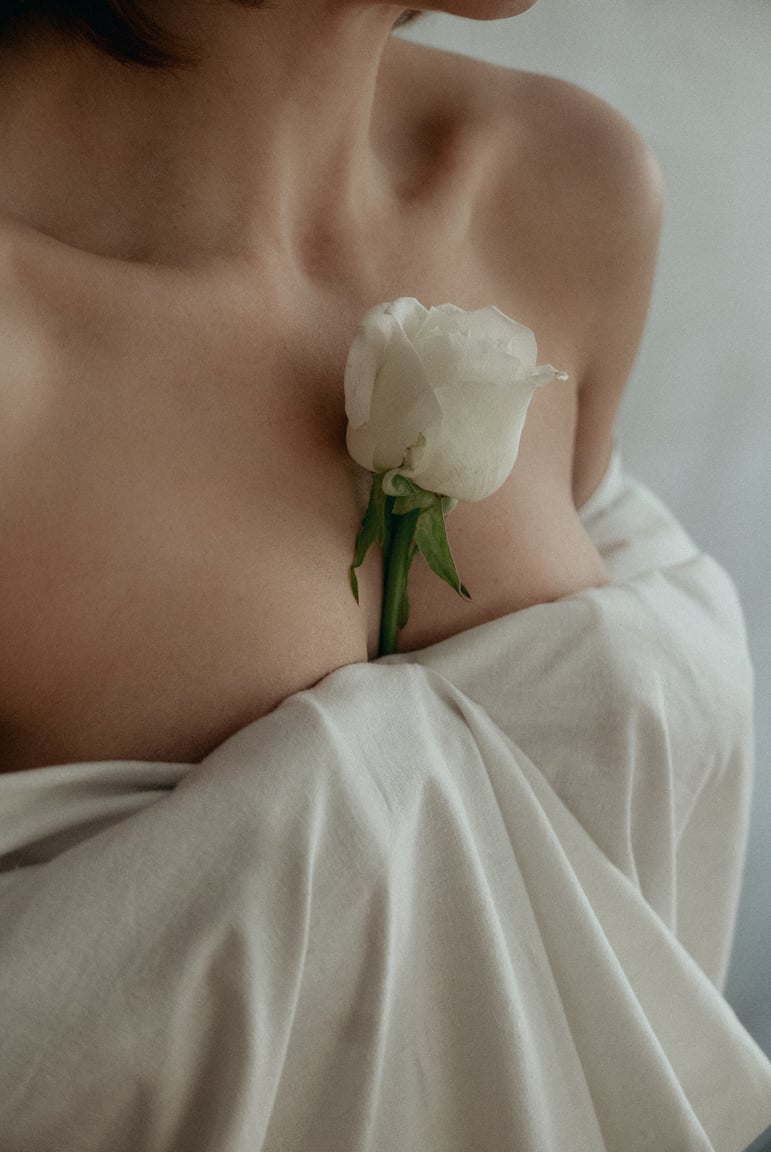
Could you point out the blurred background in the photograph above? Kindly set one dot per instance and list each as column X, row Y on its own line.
column 694, row 76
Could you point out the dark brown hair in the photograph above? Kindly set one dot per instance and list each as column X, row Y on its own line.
column 121, row 28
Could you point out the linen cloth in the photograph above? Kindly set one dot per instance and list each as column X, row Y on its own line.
column 470, row 899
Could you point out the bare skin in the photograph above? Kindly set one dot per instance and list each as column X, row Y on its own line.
column 177, row 507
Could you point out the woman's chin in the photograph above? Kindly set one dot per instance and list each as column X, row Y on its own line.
column 481, row 9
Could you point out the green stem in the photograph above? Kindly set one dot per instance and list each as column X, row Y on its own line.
column 397, row 566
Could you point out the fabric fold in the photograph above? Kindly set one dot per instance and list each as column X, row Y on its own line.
column 479, row 896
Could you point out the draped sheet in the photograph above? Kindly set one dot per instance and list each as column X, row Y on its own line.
column 477, row 898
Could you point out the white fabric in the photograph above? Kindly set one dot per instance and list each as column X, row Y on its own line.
column 693, row 77
column 477, row 898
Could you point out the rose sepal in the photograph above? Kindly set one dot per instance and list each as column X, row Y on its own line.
column 374, row 529
column 433, row 545
column 403, row 519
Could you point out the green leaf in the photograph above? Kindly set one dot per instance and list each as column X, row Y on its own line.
column 408, row 495
column 394, row 484
column 374, row 528
column 410, row 501
column 433, row 545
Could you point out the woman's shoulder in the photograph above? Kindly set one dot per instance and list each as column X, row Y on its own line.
column 564, row 125
column 566, row 219
column 553, row 150
column 584, row 169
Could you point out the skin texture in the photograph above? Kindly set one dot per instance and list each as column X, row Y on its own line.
column 183, row 261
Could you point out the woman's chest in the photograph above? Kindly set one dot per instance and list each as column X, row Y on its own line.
column 179, row 533
column 181, row 513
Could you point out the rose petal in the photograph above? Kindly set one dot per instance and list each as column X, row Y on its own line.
column 382, row 326
column 361, row 446
column 479, row 442
column 398, row 404
column 409, row 313
column 366, row 354
column 452, row 357
column 488, row 324
column 404, row 406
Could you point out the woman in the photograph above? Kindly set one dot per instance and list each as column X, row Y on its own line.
column 411, row 908
column 231, row 223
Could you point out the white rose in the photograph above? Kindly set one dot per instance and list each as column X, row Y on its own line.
column 440, row 395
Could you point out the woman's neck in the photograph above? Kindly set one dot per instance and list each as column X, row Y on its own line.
column 267, row 146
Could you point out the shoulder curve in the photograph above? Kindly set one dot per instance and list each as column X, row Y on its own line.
column 590, row 159
column 565, row 208
column 588, row 134
column 559, row 161
column 562, row 104
column 576, row 207
column 573, row 199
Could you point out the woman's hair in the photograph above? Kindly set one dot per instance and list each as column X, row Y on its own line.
column 121, row 28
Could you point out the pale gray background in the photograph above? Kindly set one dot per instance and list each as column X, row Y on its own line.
column 695, row 77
